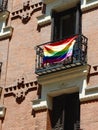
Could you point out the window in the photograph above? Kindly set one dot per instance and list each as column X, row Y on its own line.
column 0, row 5
column 0, row 2
column 3, row 4
column 66, row 112
column 66, row 23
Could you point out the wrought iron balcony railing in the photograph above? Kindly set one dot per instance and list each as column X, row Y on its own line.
column 78, row 57
column 3, row 5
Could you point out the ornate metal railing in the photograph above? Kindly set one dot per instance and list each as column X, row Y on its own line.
column 79, row 57
column 3, row 5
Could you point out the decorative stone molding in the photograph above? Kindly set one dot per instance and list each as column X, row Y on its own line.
column 4, row 15
column 91, row 89
column 26, row 12
column 43, row 20
column 91, row 93
column 21, row 89
column 2, row 111
column 89, row 4
column 57, row 5
column 72, row 80
column 75, row 72
column 89, row 97
column 39, row 104
column 5, row 32
column 60, row 5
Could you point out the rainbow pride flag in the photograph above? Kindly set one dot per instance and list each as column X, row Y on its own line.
column 58, row 51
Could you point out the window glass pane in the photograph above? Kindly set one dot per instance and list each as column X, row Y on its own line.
column 67, row 25
column 0, row 2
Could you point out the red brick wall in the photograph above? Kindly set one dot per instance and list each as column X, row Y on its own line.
column 18, row 55
column 41, row 120
column 89, row 111
column 89, row 115
column 90, row 30
column 49, row 125
column 21, row 63
column 19, row 116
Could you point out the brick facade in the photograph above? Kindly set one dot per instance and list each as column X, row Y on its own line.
column 89, row 109
column 18, row 78
column 89, row 27
column 89, row 115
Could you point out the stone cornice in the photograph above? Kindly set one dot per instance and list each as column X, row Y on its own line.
column 91, row 93
column 64, row 75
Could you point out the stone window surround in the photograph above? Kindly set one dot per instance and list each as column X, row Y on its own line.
column 46, row 18
column 69, row 84
column 87, row 93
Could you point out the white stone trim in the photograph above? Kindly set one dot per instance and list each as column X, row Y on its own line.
column 58, row 5
column 2, row 111
column 39, row 104
column 6, row 32
column 4, row 15
column 68, row 81
column 61, row 5
column 86, row 6
column 71, row 73
column 68, row 85
column 90, row 93
column 43, row 20
column 89, row 97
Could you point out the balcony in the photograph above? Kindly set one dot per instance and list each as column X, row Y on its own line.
column 78, row 57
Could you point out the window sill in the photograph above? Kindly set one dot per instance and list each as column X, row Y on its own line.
column 42, row 20
column 39, row 104
column 88, row 6
column 91, row 93
column 4, row 15
column 7, row 32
